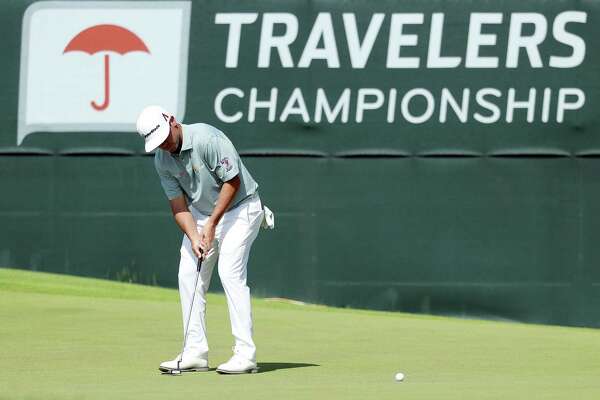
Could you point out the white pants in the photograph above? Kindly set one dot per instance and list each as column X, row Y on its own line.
column 233, row 239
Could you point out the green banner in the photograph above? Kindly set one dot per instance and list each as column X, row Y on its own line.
column 410, row 76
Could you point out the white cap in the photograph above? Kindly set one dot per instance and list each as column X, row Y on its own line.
column 153, row 125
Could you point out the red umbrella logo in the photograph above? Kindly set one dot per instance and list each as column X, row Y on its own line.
column 106, row 38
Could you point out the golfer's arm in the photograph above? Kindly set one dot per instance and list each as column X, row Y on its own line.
column 226, row 195
column 184, row 218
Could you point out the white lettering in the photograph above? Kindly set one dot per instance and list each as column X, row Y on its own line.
column 511, row 105
column 323, row 28
column 516, row 40
column 362, row 104
column 282, row 43
column 397, row 39
column 295, row 105
column 476, row 39
column 562, row 36
column 359, row 53
column 404, row 105
column 460, row 111
column 391, row 112
column 322, row 105
column 564, row 105
column 480, row 98
column 235, row 22
column 434, row 59
column 546, row 105
column 219, row 105
column 270, row 104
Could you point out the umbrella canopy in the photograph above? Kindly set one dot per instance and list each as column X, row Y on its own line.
column 106, row 38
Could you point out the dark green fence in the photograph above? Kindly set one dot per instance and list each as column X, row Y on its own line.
column 488, row 236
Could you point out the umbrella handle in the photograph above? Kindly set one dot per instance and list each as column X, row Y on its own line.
column 104, row 105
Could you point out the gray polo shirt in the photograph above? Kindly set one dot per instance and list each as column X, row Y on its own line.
column 206, row 160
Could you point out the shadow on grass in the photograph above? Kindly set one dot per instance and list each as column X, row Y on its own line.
column 267, row 366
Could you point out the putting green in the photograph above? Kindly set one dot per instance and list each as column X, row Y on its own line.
column 64, row 337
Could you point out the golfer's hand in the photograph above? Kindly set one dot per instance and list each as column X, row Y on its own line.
column 207, row 236
column 197, row 246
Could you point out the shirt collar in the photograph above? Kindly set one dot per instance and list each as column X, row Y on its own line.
column 187, row 139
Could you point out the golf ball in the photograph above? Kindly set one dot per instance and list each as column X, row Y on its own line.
column 399, row 377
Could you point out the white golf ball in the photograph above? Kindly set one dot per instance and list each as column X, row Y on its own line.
column 399, row 377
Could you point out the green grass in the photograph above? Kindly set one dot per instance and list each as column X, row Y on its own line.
column 64, row 337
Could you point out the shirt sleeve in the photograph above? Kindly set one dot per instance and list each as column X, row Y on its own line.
column 169, row 183
column 222, row 158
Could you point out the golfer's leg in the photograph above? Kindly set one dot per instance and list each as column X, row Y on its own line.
column 196, row 341
column 233, row 260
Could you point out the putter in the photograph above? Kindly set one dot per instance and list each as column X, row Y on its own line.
column 177, row 372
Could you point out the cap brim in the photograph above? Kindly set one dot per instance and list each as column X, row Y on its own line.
column 156, row 138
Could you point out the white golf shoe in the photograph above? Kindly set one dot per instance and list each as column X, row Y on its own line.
column 189, row 363
column 238, row 365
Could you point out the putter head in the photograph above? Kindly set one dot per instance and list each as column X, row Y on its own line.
column 176, row 372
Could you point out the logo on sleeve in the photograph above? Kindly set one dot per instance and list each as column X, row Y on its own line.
column 226, row 164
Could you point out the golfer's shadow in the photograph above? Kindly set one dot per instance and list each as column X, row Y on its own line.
column 273, row 366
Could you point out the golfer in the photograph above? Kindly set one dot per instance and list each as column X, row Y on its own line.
column 215, row 202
